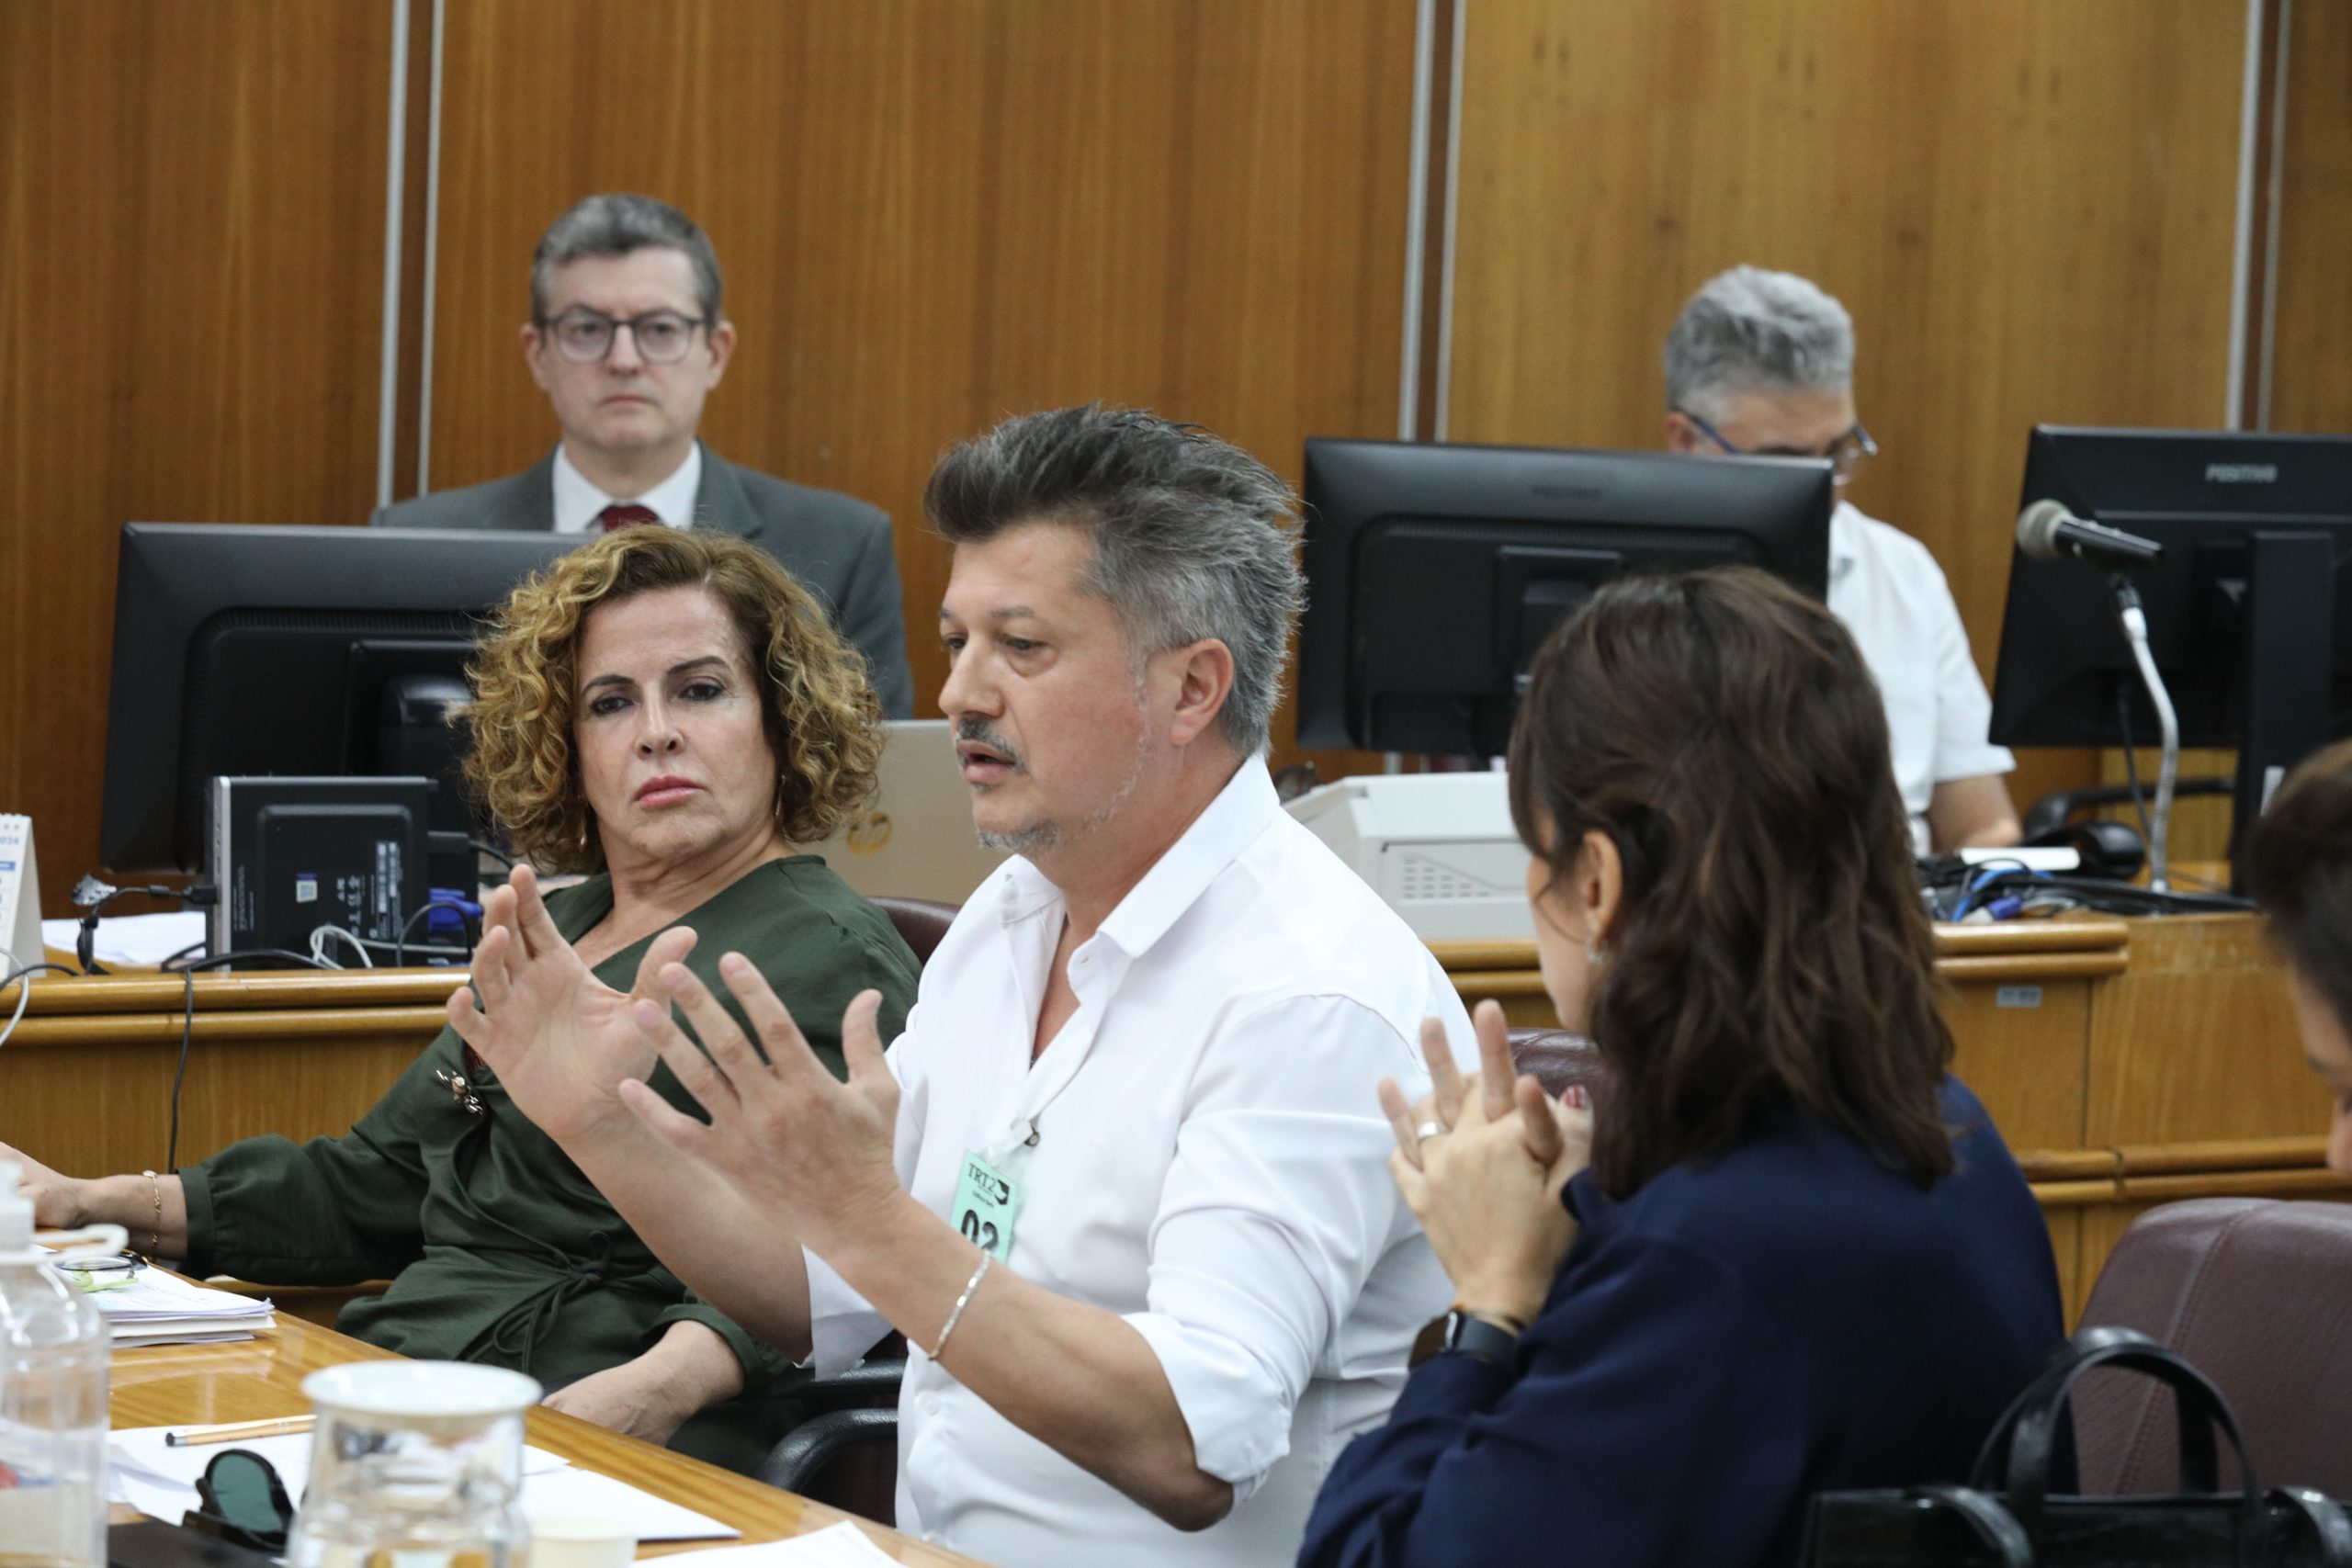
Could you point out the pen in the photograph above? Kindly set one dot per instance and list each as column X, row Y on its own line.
column 236, row 1431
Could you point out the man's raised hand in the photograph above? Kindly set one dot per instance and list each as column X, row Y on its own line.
column 559, row 1040
column 812, row 1151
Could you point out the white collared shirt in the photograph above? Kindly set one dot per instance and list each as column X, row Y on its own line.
column 1886, row 587
column 1211, row 1165
column 578, row 502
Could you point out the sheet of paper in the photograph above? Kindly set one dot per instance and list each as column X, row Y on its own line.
column 584, row 1492
column 160, row 1481
column 132, row 939
column 836, row 1546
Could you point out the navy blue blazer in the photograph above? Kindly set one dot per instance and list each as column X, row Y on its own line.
column 1795, row 1317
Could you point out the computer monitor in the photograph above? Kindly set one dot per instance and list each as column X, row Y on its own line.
column 2249, row 611
column 1435, row 571
column 247, row 650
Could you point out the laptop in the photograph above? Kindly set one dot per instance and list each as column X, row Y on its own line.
column 914, row 840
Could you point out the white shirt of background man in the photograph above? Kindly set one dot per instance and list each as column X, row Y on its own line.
column 577, row 501
column 1886, row 587
column 1211, row 1164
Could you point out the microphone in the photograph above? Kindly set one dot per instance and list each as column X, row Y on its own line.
column 2047, row 531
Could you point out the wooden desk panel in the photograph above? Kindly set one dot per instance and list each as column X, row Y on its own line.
column 2197, row 1040
column 184, row 1384
column 2016, row 996
column 85, row 1081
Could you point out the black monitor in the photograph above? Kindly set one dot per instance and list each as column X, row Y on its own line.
column 1434, row 572
column 248, row 650
column 2249, row 611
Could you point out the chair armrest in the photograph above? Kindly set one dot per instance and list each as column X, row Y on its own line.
column 868, row 1383
column 802, row 1454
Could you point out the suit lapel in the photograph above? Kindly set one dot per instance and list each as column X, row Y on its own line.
column 532, row 503
column 720, row 501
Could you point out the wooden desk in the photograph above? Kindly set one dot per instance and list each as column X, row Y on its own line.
column 2129, row 1063
column 174, row 1384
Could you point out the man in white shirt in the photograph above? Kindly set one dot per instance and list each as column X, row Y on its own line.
column 1122, row 1182
column 1762, row 364
column 628, row 340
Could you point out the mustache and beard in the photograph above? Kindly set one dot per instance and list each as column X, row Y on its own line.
column 1044, row 833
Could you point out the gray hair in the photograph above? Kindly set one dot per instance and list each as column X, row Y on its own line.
column 615, row 225
column 1749, row 330
column 1193, row 537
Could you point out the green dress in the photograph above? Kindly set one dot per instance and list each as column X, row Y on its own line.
column 498, row 1249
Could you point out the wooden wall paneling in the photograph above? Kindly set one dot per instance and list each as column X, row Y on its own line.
column 2028, row 209
column 931, row 214
column 2312, row 360
column 191, row 263
column 2197, row 1040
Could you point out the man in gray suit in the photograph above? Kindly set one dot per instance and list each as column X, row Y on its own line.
column 627, row 340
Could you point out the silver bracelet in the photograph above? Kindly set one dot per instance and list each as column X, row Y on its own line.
column 961, row 1302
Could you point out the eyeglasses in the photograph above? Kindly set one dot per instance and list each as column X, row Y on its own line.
column 585, row 336
column 1847, row 454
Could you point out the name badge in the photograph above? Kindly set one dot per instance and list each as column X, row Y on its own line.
column 987, row 1201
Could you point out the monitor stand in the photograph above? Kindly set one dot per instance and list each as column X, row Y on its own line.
column 2290, row 631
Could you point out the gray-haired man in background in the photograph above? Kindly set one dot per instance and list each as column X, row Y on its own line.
column 1762, row 364
column 626, row 339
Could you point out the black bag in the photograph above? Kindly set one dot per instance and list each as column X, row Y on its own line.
column 2021, row 1525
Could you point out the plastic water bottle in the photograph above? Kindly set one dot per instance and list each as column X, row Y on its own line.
column 54, row 1350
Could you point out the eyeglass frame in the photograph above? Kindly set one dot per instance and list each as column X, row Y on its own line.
column 1845, row 455
column 552, row 327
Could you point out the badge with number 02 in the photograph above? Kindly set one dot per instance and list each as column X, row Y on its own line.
column 988, row 1200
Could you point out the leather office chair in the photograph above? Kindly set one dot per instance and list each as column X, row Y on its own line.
column 920, row 923
column 2256, row 1294
column 847, row 1454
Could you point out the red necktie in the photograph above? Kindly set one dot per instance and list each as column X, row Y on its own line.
column 624, row 515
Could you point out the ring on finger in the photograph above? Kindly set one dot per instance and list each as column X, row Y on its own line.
column 1428, row 1129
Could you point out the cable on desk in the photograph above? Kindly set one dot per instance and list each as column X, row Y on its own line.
column 25, row 973
column 467, row 915
column 187, row 973
column 318, row 945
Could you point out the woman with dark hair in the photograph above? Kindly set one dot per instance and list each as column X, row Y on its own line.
column 2298, row 865
column 1800, row 1257
column 667, row 711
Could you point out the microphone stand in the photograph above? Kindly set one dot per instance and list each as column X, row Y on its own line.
column 2135, row 618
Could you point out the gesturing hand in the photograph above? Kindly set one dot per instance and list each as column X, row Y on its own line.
column 559, row 1040
column 812, row 1150
column 1481, row 1164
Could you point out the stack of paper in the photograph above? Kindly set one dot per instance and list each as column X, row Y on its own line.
column 160, row 1481
column 157, row 1308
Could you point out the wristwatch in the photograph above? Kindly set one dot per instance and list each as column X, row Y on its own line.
column 1481, row 1338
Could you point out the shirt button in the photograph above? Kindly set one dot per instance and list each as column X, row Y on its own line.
column 930, row 1404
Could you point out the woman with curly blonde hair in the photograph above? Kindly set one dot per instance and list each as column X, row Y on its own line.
column 668, row 712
